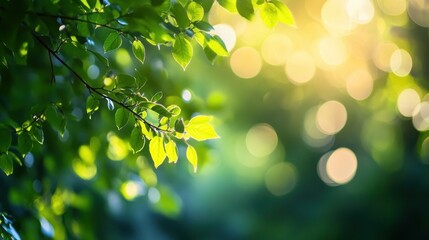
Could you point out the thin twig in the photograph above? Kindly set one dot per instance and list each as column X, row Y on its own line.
column 52, row 69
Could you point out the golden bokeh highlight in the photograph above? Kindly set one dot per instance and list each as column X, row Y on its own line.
column 276, row 48
column 382, row 55
column 360, row 84
column 117, row 149
column 281, row 178
column 331, row 117
column 393, row 7
column 421, row 116
column 227, row 34
column 312, row 135
column 261, row 140
column 360, row 11
column 341, row 166
column 401, row 62
column 300, row 67
column 418, row 10
column 407, row 101
column 332, row 50
column 336, row 19
column 246, row 62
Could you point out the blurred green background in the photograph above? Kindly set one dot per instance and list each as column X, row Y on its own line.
column 324, row 136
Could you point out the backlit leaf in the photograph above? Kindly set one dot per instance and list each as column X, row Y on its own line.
column 161, row 110
column 284, row 14
column 5, row 139
column 147, row 132
column 180, row 15
column 92, row 104
column 156, row 150
column 182, row 51
column 139, row 50
column 112, row 42
column 137, row 141
column 245, row 8
column 230, row 5
column 200, row 129
column 216, row 44
column 37, row 134
column 121, row 118
column 171, row 150
column 269, row 14
column 25, row 144
column 6, row 164
column 195, row 12
column 192, row 157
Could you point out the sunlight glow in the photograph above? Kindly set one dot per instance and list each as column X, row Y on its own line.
column 261, row 140
column 312, row 135
column 123, row 58
column 421, row 116
column 418, row 10
column 117, row 149
column 186, row 95
column 300, row 67
column 84, row 170
column 227, row 34
column 332, row 51
column 382, row 55
column 335, row 17
column 401, row 63
column 408, row 99
column 246, row 62
column 341, row 166
column 331, row 117
column 281, row 178
column 360, row 84
column 276, row 49
column 392, row 7
column 131, row 189
column 360, row 11
column 93, row 72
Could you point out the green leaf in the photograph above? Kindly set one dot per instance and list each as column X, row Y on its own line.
column 25, row 144
column 156, row 150
column 284, row 14
column 37, row 134
column 174, row 110
column 112, row 42
column 179, row 126
column 56, row 119
column 92, row 105
column 171, row 150
column 200, row 129
column 121, row 118
column 6, row 164
column 137, row 141
column 147, row 132
column 182, row 51
column 139, row 50
column 125, row 81
column 204, row 26
column 100, row 58
column 156, row 97
column 245, row 8
column 195, row 12
column 5, row 139
column 229, row 5
column 161, row 110
column 192, row 157
column 201, row 40
column 216, row 44
column 269, row 14
column 180, row 15
column 14, row 157
column 83, row 29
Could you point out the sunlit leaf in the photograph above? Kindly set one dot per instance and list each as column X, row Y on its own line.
column 230, row 5
column 121, row 118
column 200, row 128
column 137, row 141
column 25, row 144
column 171, row 150
column 92, row 104
column 6, row 164
column 180, row 15
column 284, row 14
column 216, row 44
column 204, row 26
column 112, row 42
column 139, row 50
column 37, row 134
column 125, row 81
column 200, row 38
column 5, row 139
column 156, row 150
column 195, row 12
column 161, row 110
column 245, row 8
column 174, row 110
column 191, row 155
column 182, row 51
column 269, row 14
column 156, row 97
column 147, row 132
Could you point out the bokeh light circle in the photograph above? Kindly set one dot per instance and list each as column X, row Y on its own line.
column 261, row 140
column 360, row 11
column 276, row 49
column 418, row 10
column 401, row 62
column 281, row 178
column 341, row 165
column 408, row 100
column 393, row 7
column 335, row 17
column 246, row 62
column 359, row 84
column 331, row 117
column 227, row 34
column 300, row 67
column 332, row 50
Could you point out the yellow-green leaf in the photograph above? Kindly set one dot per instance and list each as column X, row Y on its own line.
column 284, row 14
column 195, row 12
column 182, row 51
column 139, row 50
column 200, row 128
column 147, row 132
column 156, row 150
column 112, row 42
column 6, row 164
column 171, row 150
column 269, row 14
column 192, row 157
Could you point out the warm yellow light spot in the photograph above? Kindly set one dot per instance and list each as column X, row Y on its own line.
column 227, row 34
column 261, row 140
column 332, row 51
column 408, row 99
column 130, row 190
column 281, row 178
column 331, row 117
column 359, row 84
column 246, row 62
column 122, row 57
column 117, row 149
column 341, row 166
column 418, row 10
column 276, row 49
column 392, row 7
column 84, row 170
column 312, row 135
column 401, row 62
column 335, row 17
column 360, row 11
column 300, row 67
column 23, row 50
column 86, row 154
column 382, row 54
column 421, row 116
column 107, row 81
